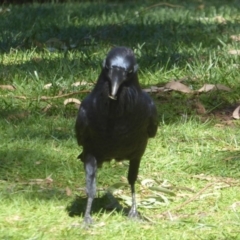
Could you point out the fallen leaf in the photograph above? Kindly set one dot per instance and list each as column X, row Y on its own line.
column 199, row 107
column 44, row 98
column 47, row 107
column 235, row 206
column 68, row 191
column 76, row 84
column 211, row 87
column 201, row 7
column 7, row 87
column 72, row 100
column 20, row 97
column 48, row 180
column 47, row 86
column 53, row 44
column 220, row 19
column 101, row 224
column 18, row 116
column 177, row 86
column 234, row 52
column 36, row 59
column 235, row 38
column 147, row 227
column 117, row 186
column 13, row 218
column 236, row 113
column 147, row 182
column 82, row 83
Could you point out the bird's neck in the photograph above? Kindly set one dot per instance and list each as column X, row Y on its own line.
column 127, row 98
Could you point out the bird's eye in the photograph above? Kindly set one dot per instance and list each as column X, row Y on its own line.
column 130, row 71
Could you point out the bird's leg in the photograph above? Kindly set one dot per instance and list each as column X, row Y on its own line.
column 132, row 177
column 90, row 165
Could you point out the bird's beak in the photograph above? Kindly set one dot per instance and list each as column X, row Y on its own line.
column 116, row 80
column 114, row 89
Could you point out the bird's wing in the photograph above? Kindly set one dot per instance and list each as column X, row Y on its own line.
column 81, row 125
column 153, row 118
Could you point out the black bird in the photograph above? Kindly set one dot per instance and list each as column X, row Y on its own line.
column 114, row 122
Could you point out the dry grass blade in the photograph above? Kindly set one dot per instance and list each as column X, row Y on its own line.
column 63, row 95
column 45, row 98
column 179, row 207
column 164, row 190
column 48, row 180
column 227, row 181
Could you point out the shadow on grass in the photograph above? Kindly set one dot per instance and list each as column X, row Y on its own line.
column 100, row 204
column 162, row 40
column 25, row 163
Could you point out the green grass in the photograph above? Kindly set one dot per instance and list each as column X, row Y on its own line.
column 195, row 157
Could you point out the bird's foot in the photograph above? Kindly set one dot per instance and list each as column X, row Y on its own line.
column 133, row 214
column 87, row 221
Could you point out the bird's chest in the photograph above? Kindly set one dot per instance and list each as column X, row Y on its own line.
column 116, row 138
column 116, row 130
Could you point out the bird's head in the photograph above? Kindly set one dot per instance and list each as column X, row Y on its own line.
column 119, row 66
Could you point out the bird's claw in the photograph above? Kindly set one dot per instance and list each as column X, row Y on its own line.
column 87, row 221
column 133, row 214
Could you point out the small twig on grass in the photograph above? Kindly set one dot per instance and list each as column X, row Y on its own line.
column 194, row 197
column 44, row 98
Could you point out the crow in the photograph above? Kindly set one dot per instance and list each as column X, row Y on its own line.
column 114, row 121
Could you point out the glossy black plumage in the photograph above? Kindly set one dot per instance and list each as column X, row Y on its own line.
column 115, row 121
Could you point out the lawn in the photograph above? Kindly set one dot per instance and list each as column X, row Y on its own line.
column 189, row 180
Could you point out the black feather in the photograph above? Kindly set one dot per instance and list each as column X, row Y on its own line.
column 115, row 121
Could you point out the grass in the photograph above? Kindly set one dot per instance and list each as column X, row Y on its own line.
column 188, row 186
